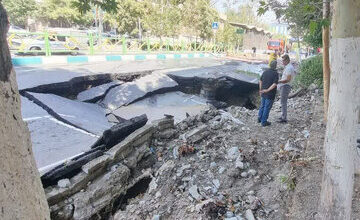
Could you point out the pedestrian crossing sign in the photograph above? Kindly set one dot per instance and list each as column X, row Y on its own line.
column 215, row 25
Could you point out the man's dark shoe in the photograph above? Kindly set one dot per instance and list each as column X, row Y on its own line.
column 358, row 140
column 259, row 120
column 282, row 121
column 266, row 124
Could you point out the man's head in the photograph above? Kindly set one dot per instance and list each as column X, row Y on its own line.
column 273, row 65
column 286, row 59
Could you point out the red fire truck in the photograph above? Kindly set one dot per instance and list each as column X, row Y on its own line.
column 276, row 44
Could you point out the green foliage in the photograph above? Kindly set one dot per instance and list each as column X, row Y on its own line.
column 161, row 18
column 314, row 37
column 304, row 17
column 244, row 14
column 310, row 72
column 289, row 181
column 84, row 6
column 198, row 17
column 127, row 17
column 164, row 18
column 63, row 13
column 19, row 10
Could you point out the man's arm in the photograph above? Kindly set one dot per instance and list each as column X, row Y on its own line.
column 260, row 86
column 273, row 86
column 288, row 79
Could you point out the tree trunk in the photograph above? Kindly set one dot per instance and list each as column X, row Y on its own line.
column 326, row 64
column 21, row 193
column 344, row 101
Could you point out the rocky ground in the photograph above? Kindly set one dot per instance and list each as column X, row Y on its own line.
column 222, row 164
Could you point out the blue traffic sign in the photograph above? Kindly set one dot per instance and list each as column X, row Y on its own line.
column 215, row 25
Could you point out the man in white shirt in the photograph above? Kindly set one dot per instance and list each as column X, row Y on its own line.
column 284, row 86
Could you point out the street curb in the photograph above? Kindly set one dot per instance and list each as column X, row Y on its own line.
column 41, row 60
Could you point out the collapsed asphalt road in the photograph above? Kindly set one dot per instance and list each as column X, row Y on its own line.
column 67, row 113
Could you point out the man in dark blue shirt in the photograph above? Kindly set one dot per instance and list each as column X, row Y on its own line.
column 267, row 88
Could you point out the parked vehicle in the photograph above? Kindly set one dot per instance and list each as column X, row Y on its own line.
column 13, row 28
column 36, row 46
column 277, row 44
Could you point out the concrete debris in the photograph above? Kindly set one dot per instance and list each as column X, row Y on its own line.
column 234, row 218
column 290, row 146
column 244, row 174
column 252, row 172
column 216, row 125
column 226, row 116
column 152, row 186
column 306, row 133
column 156, row 217
column 250, row 193
column 233, row 153
column 120, row 131
column 193, row 191
column 219, row 164
column 239, row 164
column 229, row 214
column 216, row 183
column 249, row 215
column 222, row 170
column 212, row 165
column 64, row 183
column 196, row 135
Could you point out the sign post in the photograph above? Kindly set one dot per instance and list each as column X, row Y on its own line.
column 215, row 27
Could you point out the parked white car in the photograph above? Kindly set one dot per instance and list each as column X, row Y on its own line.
column 37, row 46
column 13, row 28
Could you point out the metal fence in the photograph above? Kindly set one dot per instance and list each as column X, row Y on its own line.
column 48, row 43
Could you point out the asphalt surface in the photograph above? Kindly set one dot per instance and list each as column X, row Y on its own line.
column 55, row 141
column 29, row 77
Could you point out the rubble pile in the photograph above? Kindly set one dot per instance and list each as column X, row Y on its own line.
column 222, row 164
column 104, row 183
column 219, row 164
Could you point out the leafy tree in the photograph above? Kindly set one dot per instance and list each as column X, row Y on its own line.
column 304, row 17
column 199, row 16
column 127, row 16
column 158, row 17
column 19, row 10
column 163, row 19
column 85, row 6
column 63, row 12
column 244, row 14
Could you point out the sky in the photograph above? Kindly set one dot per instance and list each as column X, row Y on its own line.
column 268, row 18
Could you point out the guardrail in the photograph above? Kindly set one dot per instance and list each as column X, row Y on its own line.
column 47, row 43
